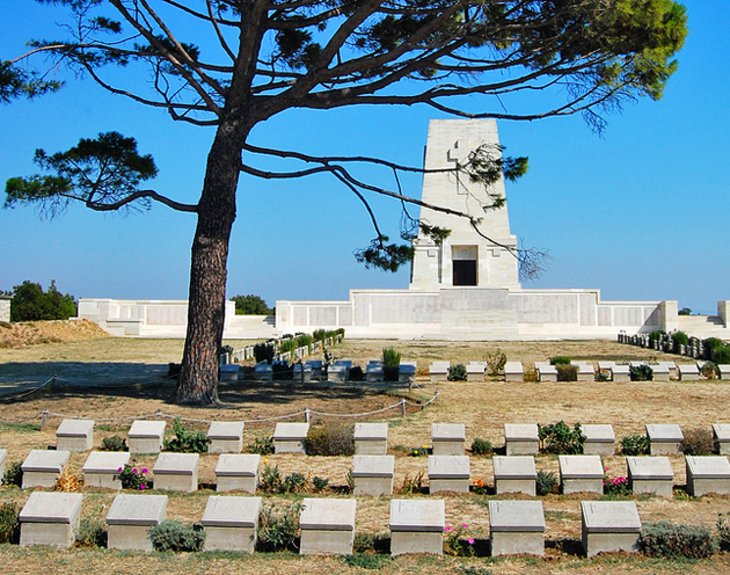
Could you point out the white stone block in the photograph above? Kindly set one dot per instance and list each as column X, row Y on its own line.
column 438, row 371
column 75, row 435
column 546, row 372
column 721, row 433
column 448, row 438
column 416, row 526
column 620, row 373
column 290, row 437
column 585, row 372
column 610, row 526
column 581, row 474
column 517, row 527
column 237, row 472
column 230, row 523
column 101, row 467
column 43, row 468
column 50, row 519
column 176, row 471
column 3, row 459
column 724, row 370
column 707, row 474
column 371, row 438
column 599, row 439
column 327, row 526
column 373, row 474
column 688, row 371
column 130, row 518
column 650, row 475
column 448, row 473
column 146, row 436
column 521, row 438
column 514, row 474
column 475, row 370
column 225, row 437
column 514, row 372
column 664, row 438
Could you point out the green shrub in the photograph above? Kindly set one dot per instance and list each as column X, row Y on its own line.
column 713, row 343
column 287, row 345
column 262, row 445
column 657, row 335
column 371, row 542
column 294, row 483
column 186, row 441
column 305, row 340
column 391, row 357
column 270, row 480
column 14, row 474
column 356, row 373
column 641, row 372
column 281, row 370
column 31, row 303
column 251, row 305
column 560, row 438
column 635, row 444
column 366, row 561
column 495, row 362
column 560, row 360
column 278, row 529
column 723, row 530
column 320, row 483
column 114, row 443
column 133, row 477
column 721, row 355
column 457, row 372
column 171, row 535
column 680, row 337
column 92, row 533
column 601, row 376
column 331, row 438
column 546, row 483
column 263, row 352
column 566, row 372
column 664, row 539
column 481, row 446
column 710, row 370
column 698, row 442
column 9, row 523
column 616, row 485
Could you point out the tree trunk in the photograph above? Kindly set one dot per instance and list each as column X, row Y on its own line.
column 198, row 381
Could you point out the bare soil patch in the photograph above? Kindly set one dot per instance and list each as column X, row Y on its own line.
column 27, row 333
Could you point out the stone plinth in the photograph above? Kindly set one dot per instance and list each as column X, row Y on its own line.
column 230, row 523
column 371, row 438
column 724, row 370
column 237, row 472
column 517, row 527
column 101, row 467
column 664, row 438
column 448, row 438
column 650, row 475
column 721, row 435
column 514, row 474
column 438, row 371
column 337, row 373
column 416, row 526
column 620, row 373
column 43, row 468
column 225, row 437
column 328, row 526
column 521, row 439
column 546, row 372
column 146, row 436
column 50, row 519
column 514, row 372
column 373, row 474
column 708, row 474
column 688, row 372
column 448, row 473
column 290, row 437
column 130, row 518
column 177, row 472
column 475, row 370
column 661, row 372
column 581, row 474
column 263, row 371
column 3, row 459
column 600, row 439
column 75, row 435
column 610, row 526
column 301, row 373
column 585, row 372
column 374, row 371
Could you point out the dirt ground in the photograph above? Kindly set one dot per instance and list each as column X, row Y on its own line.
column 131, row 371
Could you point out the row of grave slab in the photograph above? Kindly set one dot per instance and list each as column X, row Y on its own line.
column 327, row 525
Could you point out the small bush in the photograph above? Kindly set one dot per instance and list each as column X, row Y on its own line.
column 320, row 483
column 391, row 357
column 413, row 484
column 171, row 535
column 92, row 533
column 356, row 373
column 371, row 542
column 601, row 376
column 721, row 355
column 680, row 337
column 133, row 477
column 657, row 335
column 709, row 370
column 713, row 343
column 262, row 445
column 457, row 372
column 330, row 438
column 186, row 441
column 698, row 442
column 278, row 529
column 458, row 541
column 495, row 362
column 616, row 485
column 530, row 376
column 560, row 438
column 294, row 483
column 263, row 352
column 114, row 443
column 723, row 530
column 664, row 539
column 366, row 561
column 270, row 480
column 546, row 483
column 641, row 372
column 560, row 360
column 481, row 446
column 566, row 372
column 635, row 444
column 9, row 523
column 68, row 482
column 14, row 474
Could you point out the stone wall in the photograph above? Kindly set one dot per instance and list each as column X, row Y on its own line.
column 4, row 308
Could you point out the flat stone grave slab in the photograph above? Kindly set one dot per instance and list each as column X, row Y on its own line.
column 581, row 474
column 230, row 523
column 660, row 371
column 263, row 371
column 724, row 370
column 237, row 472
column 514, row 372
column 514, row 474
column 373, row 474
column 43, row 468
column 328, row 526
column 371, row 438
column 130, row 518
column 547, row 372
column 707, row 474
column 407, row 370
column 75, row 435
column 101, row 467
column 610, row 526
column 225, row 437
column 146, row 436
column 620, row 373
column 176, row 472
column 517, row 527
column 416, row 526
column 599, row 439
column 688, row 371
column 374, row 371
column 721, row 435
column 50, row 519
column 301, row 372
column 475, row 370
column 3, row 459
column 664, row 438
column 448, row 438
column 521, row 438
column 438, row 371
column 585, row 372
column 290, row 437
column 650, row 475
column 337, row 373
column 448, row 473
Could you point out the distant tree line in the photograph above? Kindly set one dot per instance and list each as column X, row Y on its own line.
column 251, row 305
column 31, row 303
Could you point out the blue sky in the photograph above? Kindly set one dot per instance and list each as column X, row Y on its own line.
column 640, row 212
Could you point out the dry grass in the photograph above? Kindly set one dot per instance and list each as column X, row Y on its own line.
column 482, row 407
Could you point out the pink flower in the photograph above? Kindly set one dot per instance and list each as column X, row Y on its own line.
column 142, row 486
column 471, row 540
column 465, row 526
column 119, row 469
column 134, row 470
column 447, row 529
column 145, row 470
